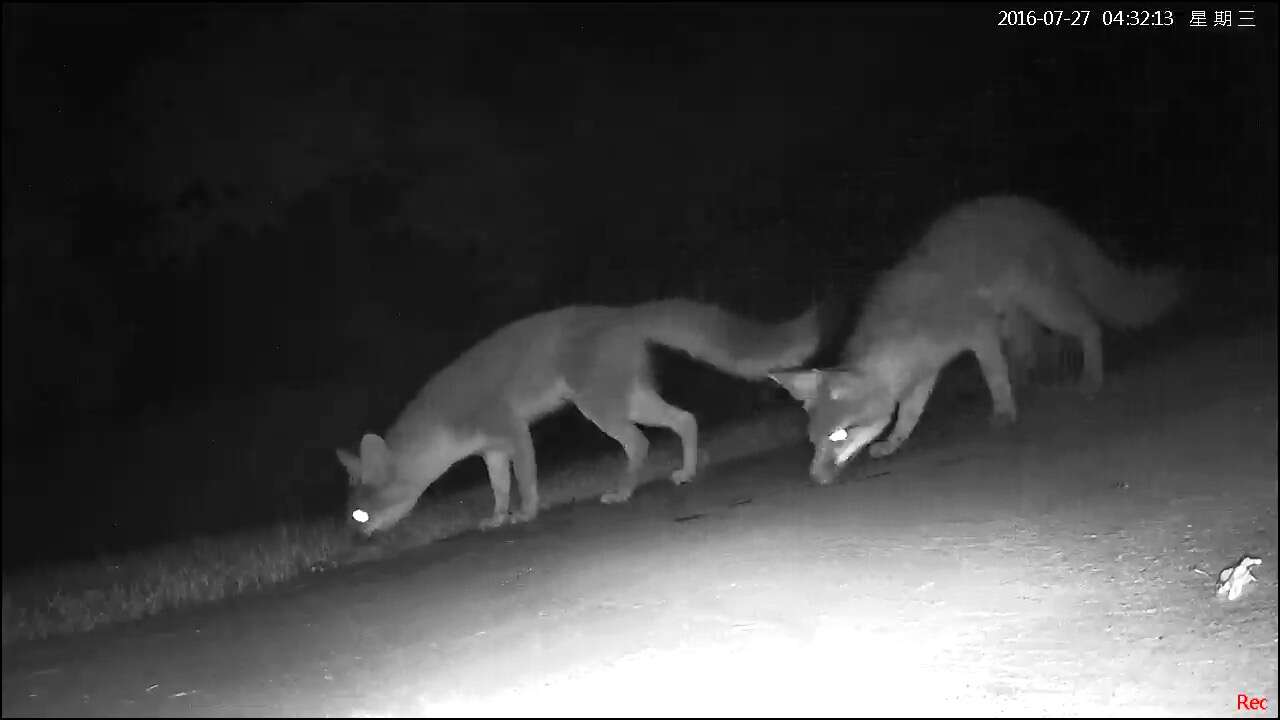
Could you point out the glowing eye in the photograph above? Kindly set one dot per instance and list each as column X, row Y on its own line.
column 360, row 516
column 839, row 435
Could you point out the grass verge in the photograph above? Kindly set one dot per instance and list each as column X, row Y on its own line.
column 79, row 597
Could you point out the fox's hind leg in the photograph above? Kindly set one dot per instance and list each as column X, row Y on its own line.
column 1060, row 310
column 648, row 408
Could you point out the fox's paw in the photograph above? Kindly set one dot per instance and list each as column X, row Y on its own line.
column 884, row 448
column 493, row 521
column 524, row 515
column 613, row 498
column 682, row 476
column 1001, row 419
column 825, row 477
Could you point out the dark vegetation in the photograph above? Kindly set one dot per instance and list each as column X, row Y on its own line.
column 236, row 238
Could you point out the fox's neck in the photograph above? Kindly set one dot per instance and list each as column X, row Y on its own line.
column 419, row 460
column 896, row 365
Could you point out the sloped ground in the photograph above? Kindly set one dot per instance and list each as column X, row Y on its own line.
column 1064, row 567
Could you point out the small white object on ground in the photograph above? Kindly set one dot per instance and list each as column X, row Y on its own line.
column 1233, row 579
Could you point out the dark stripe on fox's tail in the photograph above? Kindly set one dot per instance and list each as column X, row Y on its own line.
column 732, row 343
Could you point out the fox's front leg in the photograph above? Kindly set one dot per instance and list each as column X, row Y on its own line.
column 995, row 370
column 909, row 411
column 526, row 476
column 499, row 465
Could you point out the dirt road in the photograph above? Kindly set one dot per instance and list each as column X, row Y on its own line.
column 1064, row 567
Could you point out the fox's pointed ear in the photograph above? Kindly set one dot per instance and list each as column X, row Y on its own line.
column 351, row 463
column 802, row 384
column 373, row 458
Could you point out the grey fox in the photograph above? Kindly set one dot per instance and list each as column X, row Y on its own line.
column 982, row 273
column 592, row 356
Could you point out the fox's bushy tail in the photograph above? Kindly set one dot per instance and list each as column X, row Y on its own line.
column 732, row 343
column 1122, row 297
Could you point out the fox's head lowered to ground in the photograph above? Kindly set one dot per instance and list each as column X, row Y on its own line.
column 846, row 413
column 376, row 500
column 386, row 485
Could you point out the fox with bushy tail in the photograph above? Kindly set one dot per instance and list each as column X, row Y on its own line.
column 984, row 274
column 595, row 357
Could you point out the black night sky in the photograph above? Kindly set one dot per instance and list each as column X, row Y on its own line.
column 236, row 237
